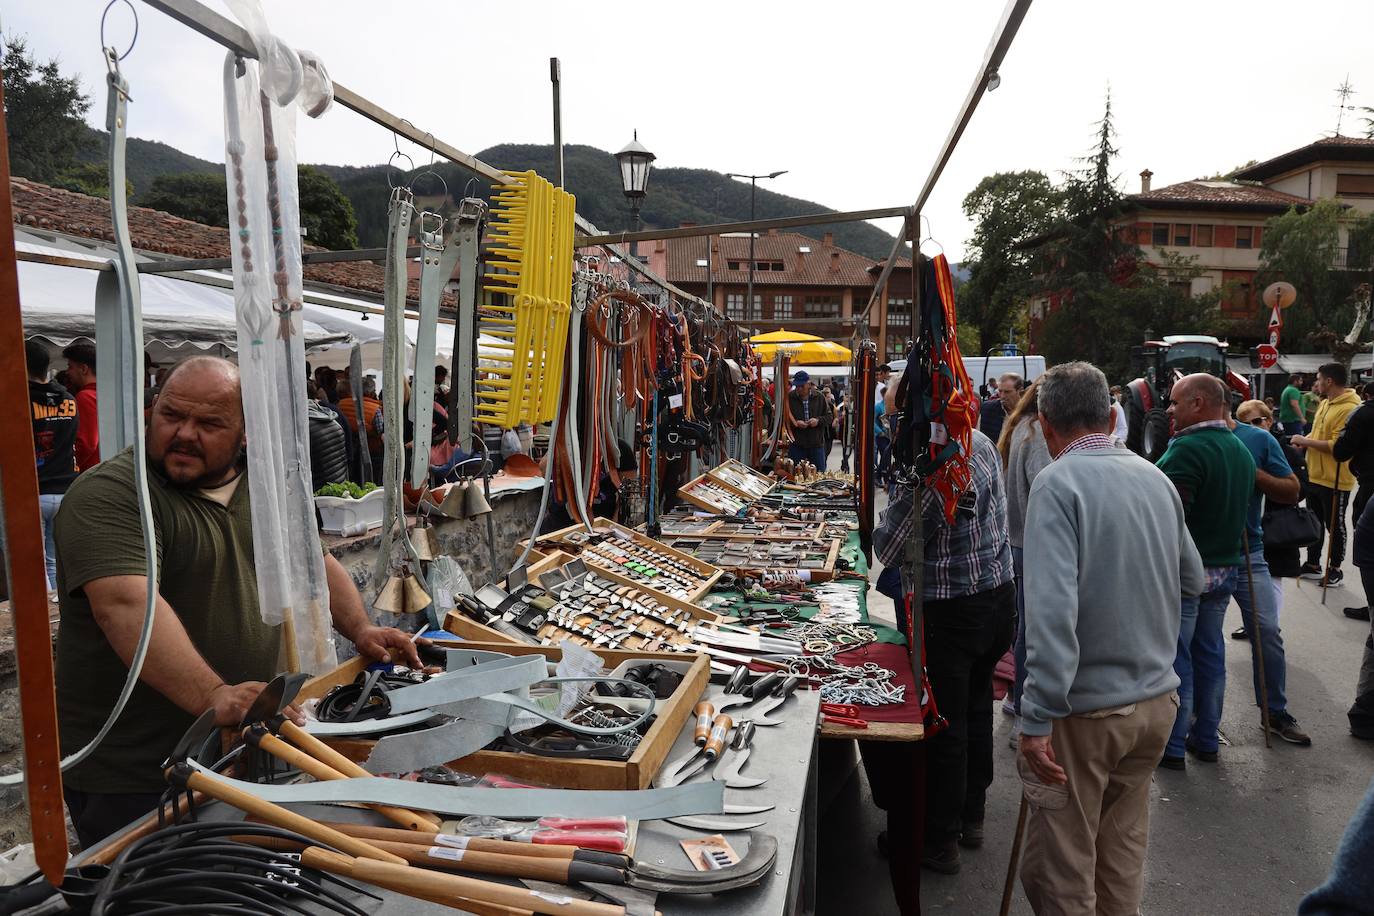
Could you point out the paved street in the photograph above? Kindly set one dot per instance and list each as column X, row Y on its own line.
column 1250, row 834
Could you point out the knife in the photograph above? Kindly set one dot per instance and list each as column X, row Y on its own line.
column 779, row 697
column 740, row 747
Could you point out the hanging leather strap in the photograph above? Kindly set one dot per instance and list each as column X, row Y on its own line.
column 438, row 258
column 472, row 216
column 394, row 371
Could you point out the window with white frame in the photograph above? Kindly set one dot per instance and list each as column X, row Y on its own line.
column 899, row 312
column 734, row 305
column 782, row 306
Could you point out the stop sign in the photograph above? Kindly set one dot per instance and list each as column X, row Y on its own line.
column 1268, row 356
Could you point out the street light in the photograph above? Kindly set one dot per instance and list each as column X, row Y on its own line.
column 635, row 164
column 753, row 186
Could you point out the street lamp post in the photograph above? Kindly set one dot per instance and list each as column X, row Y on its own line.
column 753, row 187
column 636, row 163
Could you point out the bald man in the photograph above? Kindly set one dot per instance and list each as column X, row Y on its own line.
column 1214, row 475
column 210, row 648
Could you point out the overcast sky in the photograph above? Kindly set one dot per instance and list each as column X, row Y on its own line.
column 853, row 98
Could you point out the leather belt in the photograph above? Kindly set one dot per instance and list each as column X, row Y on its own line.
column 394, row 371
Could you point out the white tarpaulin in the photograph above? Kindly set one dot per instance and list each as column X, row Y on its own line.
column 179, row 317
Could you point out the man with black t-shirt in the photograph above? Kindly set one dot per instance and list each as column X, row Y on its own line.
column 54, row 440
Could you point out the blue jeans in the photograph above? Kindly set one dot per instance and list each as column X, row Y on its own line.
column 814, row 454
column 47, row 507
column 1019, row 647
column 1271, row 640
column 1201, row 663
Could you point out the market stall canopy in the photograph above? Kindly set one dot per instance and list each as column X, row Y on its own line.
column 180, row 318
column 1305, row 363
column 800, row 348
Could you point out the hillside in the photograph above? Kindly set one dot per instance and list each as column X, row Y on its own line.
column 675, row 195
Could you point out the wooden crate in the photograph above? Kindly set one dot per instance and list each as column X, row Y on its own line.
column 729, row 471
column 824, row 574
column 686, row 491
column 707, row 573
column 567, row 773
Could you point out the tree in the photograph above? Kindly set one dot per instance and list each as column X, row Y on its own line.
column 91, row 178
column 1304, row 248
column 44, row 114
column 1007, row 209
column 202, row 198
column 326, row 213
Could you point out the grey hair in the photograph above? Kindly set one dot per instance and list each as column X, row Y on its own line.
column 1074, row 398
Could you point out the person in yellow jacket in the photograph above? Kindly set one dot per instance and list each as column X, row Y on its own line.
column 1329, row 481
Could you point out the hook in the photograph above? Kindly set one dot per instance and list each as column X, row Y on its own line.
column 133, row 41
column 394, row 156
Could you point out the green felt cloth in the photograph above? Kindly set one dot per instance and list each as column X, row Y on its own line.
column 849, row 551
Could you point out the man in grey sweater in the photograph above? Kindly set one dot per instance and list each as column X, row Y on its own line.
column 1107, row 556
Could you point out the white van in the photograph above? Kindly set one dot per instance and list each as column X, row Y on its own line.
column 985, row 369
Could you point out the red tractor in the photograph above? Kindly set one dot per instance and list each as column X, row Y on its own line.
column 1163, row 362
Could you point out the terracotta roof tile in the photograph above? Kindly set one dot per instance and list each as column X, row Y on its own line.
column 156, row 231
column 823, row 265
column 1227, row 195
column 1349, row 149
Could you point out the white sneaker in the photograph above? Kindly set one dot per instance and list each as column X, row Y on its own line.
column 1014, row 739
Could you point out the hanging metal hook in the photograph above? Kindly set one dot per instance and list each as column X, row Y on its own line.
column 389, row 166
column 132, row 41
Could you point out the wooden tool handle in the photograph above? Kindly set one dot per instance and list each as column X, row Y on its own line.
column 716, row 742
column 323, row 752
column 288, row 820
column 703, row 712
column 307, row 764
column 479, row 843
column 455, row 889
column 332, row 862
column 447, row 858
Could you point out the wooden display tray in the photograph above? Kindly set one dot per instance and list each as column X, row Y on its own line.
column 824, row 574
column 739, row 468
column 462, row 625
column 705, row 571
column 560, row 772
column 685, row 491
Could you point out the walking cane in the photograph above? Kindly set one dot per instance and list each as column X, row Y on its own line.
column 1015, row 856
column 1331, row 530
column 1254, row 629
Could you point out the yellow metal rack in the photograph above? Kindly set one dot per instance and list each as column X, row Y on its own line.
column 527, row 294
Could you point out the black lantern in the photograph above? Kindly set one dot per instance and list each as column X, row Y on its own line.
column 635, row 164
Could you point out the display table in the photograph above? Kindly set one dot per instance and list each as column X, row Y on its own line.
column 785, row 755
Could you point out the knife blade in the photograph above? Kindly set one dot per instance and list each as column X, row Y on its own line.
column 779, row 697
column 714, row 824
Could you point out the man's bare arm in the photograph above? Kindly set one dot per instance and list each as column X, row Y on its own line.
column 345, row 604
column 1285, row 489
column 173, row 667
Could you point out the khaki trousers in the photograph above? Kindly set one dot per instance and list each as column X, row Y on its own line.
column 1085, row 843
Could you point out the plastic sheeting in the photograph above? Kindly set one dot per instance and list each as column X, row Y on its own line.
column 264, row 218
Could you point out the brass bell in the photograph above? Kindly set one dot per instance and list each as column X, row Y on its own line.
column 423, row 539
column 475, row 501
column 392, row 596
column 416, row 598
column 452, row 506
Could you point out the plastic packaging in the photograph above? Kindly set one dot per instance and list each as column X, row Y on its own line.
column 264, row 216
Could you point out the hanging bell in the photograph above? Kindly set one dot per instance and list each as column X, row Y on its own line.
column 391, row 598
column 416, row 598
column 423, row 539
column 452, row 506
column 475, row 502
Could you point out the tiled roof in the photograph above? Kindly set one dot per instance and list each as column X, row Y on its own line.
column 1340, row 149
column 823, row 265
column 154, row 231
column 1217, row 195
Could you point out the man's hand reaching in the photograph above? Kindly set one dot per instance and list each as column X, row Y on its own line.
column 386, row 645
column 231, row 703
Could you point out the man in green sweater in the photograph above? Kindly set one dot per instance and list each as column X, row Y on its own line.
column 1214, row 475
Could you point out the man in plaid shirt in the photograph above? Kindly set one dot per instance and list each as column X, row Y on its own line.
column 969, row 621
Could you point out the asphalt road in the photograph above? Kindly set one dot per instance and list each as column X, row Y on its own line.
column 1250, row 834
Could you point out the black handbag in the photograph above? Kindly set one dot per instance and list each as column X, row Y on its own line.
column 1287, row 527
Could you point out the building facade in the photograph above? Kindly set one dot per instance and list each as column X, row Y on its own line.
column 800, row 284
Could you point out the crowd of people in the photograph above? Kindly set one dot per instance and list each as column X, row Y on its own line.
column 1120, row 666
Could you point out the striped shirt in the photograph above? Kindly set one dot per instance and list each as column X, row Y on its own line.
column 972, row 555
column 1086, row 443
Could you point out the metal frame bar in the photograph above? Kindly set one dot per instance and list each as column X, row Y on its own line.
column 1012, row 16
column 782, row 222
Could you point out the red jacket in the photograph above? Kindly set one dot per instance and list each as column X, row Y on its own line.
column 87, row 428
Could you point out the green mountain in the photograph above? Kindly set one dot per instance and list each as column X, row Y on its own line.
column 675, row 194
column 145, row 160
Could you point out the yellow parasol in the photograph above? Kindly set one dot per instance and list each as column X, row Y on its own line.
column 801, row 349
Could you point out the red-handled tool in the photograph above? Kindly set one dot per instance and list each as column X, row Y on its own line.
column 583, row 839
column 846, row 721
column 840, row 709
column 618, row 824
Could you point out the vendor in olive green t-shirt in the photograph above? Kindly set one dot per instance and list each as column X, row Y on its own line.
column 210, row 648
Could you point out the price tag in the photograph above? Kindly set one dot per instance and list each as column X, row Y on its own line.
column 447, row 852
column 674, row 400
column 456, row 842
column 939, row 435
